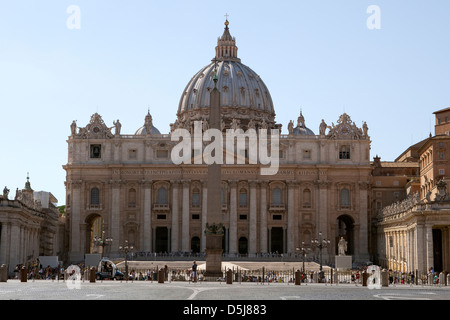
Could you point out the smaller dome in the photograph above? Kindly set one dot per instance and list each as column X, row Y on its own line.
column 143, row 131
column 303, row 131
column 148, row 127
column 301, row 128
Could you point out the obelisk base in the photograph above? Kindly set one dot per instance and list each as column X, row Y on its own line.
column 213, row 256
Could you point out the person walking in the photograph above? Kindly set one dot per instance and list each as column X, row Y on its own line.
column 194, row 271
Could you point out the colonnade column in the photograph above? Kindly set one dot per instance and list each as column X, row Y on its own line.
column 3, row 240
column 429, row 246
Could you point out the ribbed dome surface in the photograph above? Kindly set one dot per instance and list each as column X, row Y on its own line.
column 239, row 87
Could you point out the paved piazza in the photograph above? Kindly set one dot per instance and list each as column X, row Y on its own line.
column 188, row 291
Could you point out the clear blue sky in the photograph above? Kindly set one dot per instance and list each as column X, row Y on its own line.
column 127, row 56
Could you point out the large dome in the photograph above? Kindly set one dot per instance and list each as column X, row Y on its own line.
column 243, row 94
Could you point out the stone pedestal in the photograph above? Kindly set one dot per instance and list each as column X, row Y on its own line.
column 343, row 262
column 213, row 255
column 3, row 273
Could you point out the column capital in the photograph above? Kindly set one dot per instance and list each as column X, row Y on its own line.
column 322, row 184
column 76, row 184
column 186, row 183
column 116, row 183
column 233, row 183
column 147, row 183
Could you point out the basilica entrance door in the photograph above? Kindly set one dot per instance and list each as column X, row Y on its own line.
column 161, row 239
column 276, row 240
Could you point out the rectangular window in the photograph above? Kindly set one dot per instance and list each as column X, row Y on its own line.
column 277, row 217
column 96, row 151
column 132, row 154
column 162, row 154
column 441, row 172
column 195, row 217
column 344, row 153
column 306, row 154
column 441, row 155
column 242, row 217
column 161, row 217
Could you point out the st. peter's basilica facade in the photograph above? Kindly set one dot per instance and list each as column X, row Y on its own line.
column 126, row 186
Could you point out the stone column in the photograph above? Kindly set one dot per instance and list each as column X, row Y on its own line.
column 185, row 218
column 75, row 252
column 263, row 216
column 429, row 246
column 233, row 218
column 3, row 241
column 322, row 213
column 175, row 216
column 14, row 257
column 204, row 213
column 363, row 224
column 252, row 220
column 147, row 216
column 115, row 216
column 291, row 218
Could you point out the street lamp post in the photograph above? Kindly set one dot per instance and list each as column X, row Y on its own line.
column 321, row 244
column 303, row 251
column 102, row 242
column 126, row 248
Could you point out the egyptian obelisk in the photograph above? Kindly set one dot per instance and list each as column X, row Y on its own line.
column 214, row 227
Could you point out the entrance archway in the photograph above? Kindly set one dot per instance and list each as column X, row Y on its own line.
column 161, row 239
column 195, row 245
column 94, row 231
column 346, row 229
column 276, row 240
column 243, row 245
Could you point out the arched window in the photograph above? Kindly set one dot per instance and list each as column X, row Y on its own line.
column 95, row 197
column 196, row 197
column 162, row 196
column 277, row 196
column 132, row 198
column 344, row 152
column 306, row 198
column 243, row 197
column 345, row 198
